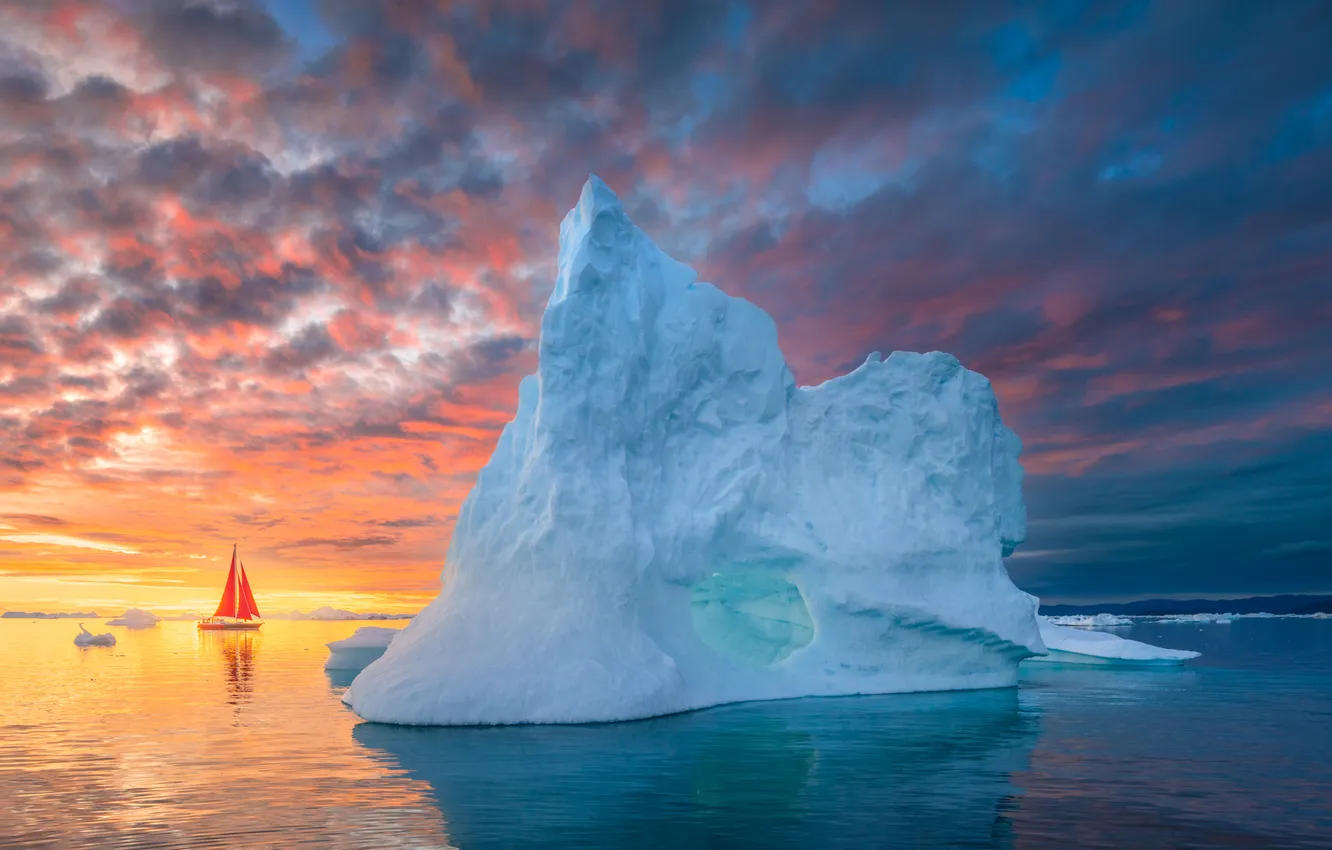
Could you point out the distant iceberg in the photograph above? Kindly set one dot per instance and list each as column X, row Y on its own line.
column 1219, row 619
column 59, row 615
column 357, row 651
column 669, row 522
column 1090, row 620
column 327, row 612
column 136, row 618
column 87, row 638
column 1080, row 646
column 1226, row 619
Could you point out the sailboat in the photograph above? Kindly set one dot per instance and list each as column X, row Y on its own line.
column 237, row 609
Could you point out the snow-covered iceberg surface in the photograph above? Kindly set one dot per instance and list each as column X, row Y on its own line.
column 669, row 522
column 1082, row 646
column 136, row 618
column 1090, row 620
column 87, row 638
column 365, row 645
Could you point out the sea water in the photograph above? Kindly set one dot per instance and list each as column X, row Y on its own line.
column 179, row 738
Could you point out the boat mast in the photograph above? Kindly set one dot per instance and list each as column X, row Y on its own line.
column 235, row 577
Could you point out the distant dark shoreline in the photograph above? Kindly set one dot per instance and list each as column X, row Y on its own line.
column 1287, row 604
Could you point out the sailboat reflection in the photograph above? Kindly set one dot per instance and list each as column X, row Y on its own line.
column 849, row 772
column 238, row 658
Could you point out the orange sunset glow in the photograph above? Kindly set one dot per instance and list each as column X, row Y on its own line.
column 270, row 272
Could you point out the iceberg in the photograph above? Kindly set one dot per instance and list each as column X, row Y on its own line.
column 327, row 612
column 1090, row 620
column 1218, row 619
column 136, row 618
column 1081, row 646
column 670, row 523
column 365, row 645
column 87, row 638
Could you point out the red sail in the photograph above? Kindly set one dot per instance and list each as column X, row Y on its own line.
column 248, row 610
column 227, row 607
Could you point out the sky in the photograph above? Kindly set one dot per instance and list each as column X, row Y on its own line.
column 270, row 272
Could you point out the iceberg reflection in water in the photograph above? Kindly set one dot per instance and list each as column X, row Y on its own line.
column 845, row 772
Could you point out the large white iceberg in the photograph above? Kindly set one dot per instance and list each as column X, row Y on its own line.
column 363, row 646
column 1082, row 646
column 669, row 522
column 136, row 618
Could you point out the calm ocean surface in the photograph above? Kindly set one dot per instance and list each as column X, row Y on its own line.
column 176, row 738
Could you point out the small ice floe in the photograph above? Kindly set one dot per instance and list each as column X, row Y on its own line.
column 1091, row 620
column 1219, row 619
column 1080, row 646
column 136, row 618
column 364, row 646
column 87, row 638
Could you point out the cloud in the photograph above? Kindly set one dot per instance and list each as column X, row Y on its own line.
column 35, row 519
column 214, row 36
column 237, row 271
column 63, row 540
column 342, row 542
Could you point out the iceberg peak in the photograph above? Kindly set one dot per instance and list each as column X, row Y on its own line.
column 669, row 522
column 597, row 197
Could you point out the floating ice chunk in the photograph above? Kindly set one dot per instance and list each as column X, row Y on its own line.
column 136, row 618
column 1090, row 620
column 669, row 522
column 365, row 645
column 87, row 638
column 1219, row 619
column 1081, row 646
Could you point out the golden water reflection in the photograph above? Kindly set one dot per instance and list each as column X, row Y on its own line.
column 180, row 738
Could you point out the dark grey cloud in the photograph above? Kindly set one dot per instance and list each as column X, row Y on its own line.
column 208, row 176
column 18, row 338
column 313, row 346
column 261, row 300
column 349, row 542
column 408, row 522
column 484, row 360
column 36, row 519
column 214, row 35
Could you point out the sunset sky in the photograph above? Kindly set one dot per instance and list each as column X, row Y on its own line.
column 270, row 273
